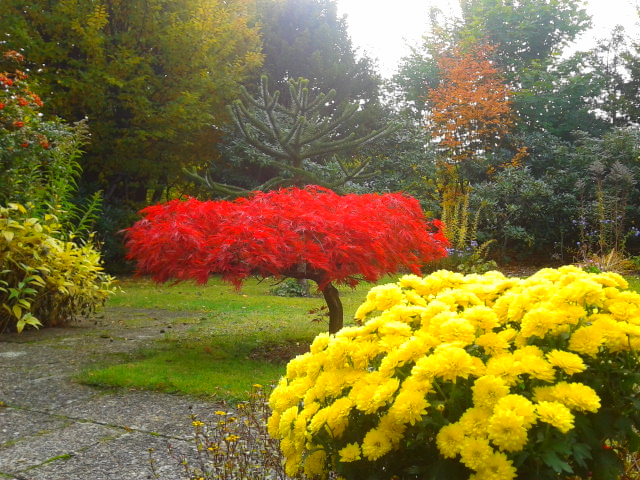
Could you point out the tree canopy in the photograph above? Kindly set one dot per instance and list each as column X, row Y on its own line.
column 153, row 77
column 307, row 38
column 307, row 233
column 471, row 108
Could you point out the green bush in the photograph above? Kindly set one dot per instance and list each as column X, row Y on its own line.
column 45, row 281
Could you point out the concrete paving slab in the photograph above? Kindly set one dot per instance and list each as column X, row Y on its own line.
column 53, row 447
column 125, row 457
column 52, row 428
column 18, row 425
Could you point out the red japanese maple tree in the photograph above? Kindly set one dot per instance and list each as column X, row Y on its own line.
column 309, row 233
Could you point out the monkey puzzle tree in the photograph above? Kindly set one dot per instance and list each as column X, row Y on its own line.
column 297, row 140
column 336, row 239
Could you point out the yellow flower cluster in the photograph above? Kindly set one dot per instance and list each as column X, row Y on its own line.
column 420, row 335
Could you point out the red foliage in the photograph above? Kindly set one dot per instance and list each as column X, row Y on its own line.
column 343, row 239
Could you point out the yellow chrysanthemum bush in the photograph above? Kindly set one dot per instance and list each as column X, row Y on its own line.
column 479, row 377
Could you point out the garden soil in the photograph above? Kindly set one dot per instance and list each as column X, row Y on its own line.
column 53, row 428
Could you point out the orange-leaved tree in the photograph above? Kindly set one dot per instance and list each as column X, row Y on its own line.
column 309, row 233
column 470, row 114
column 470, row 110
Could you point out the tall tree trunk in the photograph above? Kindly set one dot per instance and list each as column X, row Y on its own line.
column 336, row 312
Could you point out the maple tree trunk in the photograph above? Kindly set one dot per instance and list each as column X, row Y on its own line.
column 336, row 313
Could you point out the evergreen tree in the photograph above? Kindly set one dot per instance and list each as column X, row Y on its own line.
column 299, row 143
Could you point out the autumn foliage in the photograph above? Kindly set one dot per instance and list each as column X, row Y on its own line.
column 471, row 108
column 308, row 233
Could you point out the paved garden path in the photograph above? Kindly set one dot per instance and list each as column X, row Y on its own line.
column 52, row 428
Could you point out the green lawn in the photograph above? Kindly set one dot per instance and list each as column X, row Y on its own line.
column 235, row 338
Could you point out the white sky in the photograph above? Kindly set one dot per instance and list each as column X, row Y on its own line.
column 383, row 28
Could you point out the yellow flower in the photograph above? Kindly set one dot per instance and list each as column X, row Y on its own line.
column 555, row 414
column 273, row 425
column 611, row 279
column 568, row 362
column 432, row 310
column 507, row 431
column 582, row 291
column 457, row 330
column 319, row 420
column 623, row 310
column 426, row 368
column 519, row 405
column 373, row 391
column 338, row 416
column 475, row 451
column 505, row 367
column 385, row 390
column 415, row 298
column 481, row 317
column 350, row 453
column 578, row 396
column 517, row 304
column 282, row 397
column 286, row 421
column 409, row 406
column 363, row 352
column 537, row 367
column 364, row 309
column 475, row 421
column 392, row 334
column 393, row 430
column 570, row 314
column 414, row 348
column 544, row 394
column 449, row 439
column 487, row 390
column 375, row 444
column 385, row 296
column 442, row 280
column 493, row 344
column 537, row 322
column 299, row 431
column 613, row 333
column 460, row 297
column 454, row 362
column 411, row 281
column 293, row 463
column 315, row 463
column 586, row 340
column 497, row 467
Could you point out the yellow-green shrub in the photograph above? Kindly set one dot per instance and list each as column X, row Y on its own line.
column 470, row 377
column 45, row 280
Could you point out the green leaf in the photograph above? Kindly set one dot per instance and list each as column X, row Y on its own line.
column 24, row 303
column 551, row 459
column 581, row 453
column 606, row 465
column 634, row 441
column 13, row 293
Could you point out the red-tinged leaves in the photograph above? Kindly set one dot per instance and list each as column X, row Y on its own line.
column 342, row 239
